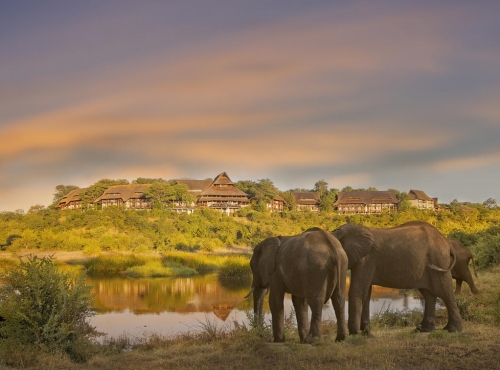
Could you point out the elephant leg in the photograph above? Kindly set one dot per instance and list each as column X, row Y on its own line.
column 428, row 322
column 365, row 314
column 316, row 315
column 359, row 303
column 458, row 288
column 454, row 318
column 300, row 305
column 472, row 286
column 338, row 302
column 278, row 314
column 355, row 307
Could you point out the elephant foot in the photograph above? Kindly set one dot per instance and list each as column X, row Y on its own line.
column 423, row 329
column 340, row 337
column 367, row 333
column 311, row 340
column 453, row 328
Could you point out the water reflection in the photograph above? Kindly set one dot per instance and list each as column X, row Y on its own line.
column 175, row 305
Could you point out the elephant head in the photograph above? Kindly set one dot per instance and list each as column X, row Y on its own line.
column 356, row 240
column 263, row 264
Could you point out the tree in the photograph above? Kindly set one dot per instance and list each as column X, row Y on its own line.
column 328, row 200
column 261, row 191
column 145, row 180
column 290, row 204
column 347, row 189
column 162, row 193
column 61, row 191
column 35, row 209
column 490, row 203
column 404, row 201
column 321, row 187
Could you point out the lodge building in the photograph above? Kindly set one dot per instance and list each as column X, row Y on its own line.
column 352, row 202
column 221, row 194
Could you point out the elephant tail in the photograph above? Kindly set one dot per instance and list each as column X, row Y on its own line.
column 474, row 266
column 436, row 268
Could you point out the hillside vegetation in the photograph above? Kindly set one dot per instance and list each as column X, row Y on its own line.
column 114, row 229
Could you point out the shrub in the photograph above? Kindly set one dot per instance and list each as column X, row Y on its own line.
column 389, row 317
column 235, row 268
column 45, row 310
column 487, row 250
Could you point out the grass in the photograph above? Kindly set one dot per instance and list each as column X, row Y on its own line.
column 113, row 264
column 172, row 263
column 157, row 268
column 389, row 317
column 202, row 262
column 476, row 348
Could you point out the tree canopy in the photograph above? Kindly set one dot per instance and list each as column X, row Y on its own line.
column 61, row 191
column 164, row 193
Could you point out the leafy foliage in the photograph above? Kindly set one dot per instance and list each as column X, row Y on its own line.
column 44, row 309
column 114, row 229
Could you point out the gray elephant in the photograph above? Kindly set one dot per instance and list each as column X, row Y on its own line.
column 460, row 272
column 413, row 255
column 312, row 267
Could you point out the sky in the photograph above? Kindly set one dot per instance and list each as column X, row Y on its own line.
column 386, row 94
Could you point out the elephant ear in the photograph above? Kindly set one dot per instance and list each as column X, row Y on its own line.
column 356, row 240
column 263, row 262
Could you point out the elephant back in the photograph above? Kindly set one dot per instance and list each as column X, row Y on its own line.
column 356, row 240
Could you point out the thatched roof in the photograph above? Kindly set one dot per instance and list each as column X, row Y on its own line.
column 195, row 186
column 222, row 186
column 306, row 197
column 124, row 192
column 418, row 195
column 279, row 198
column 72, row 196
column 366, row 197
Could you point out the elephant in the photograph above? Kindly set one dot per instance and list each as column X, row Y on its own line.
column 408, row 256
column 312, row 267
column 460, row 272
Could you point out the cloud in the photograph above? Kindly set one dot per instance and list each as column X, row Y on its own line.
column 470, row 162
column 347, row 88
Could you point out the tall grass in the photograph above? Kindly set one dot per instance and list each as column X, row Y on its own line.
column 205, row 262
column 388, row 317
column 172, row 263
column 113, row 264
column 157, row 268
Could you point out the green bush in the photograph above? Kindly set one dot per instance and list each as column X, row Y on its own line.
column 487, row 250
column 45, row 310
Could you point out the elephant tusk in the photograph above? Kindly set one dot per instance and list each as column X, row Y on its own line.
column 250, row 292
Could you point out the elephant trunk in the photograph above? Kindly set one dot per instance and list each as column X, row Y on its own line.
column 258, row 305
